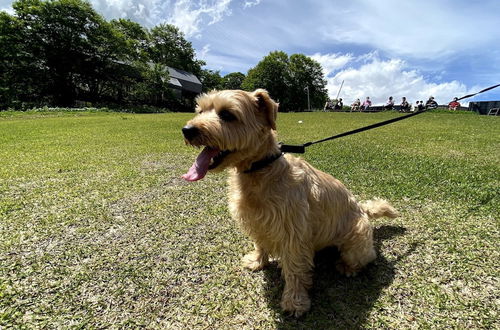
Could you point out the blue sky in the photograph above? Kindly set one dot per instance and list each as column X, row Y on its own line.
column 378, row 48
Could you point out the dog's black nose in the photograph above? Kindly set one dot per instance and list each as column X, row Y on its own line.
column 190, row 132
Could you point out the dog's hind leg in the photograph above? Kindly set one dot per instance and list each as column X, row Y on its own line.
column 357, row 250
column 257, row 259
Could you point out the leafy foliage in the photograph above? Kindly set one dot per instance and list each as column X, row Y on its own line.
column 306, row 73
column 287, row 80
column 233, row 80
column 59, row 51
column 211, row 80
column 169, row 47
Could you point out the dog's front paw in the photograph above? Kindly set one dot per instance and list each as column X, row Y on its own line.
column 296, row 305
column 254, row 261
column 346, row 270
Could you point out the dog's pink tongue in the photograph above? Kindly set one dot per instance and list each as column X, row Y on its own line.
column 200, row 165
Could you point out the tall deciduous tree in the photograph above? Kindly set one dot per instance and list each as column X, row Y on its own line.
column 136, row 39
column 169, row 47
column 286, row 79
column 210, row 80
column 21, row 73
column 272, row 74
column 233, row 80
column 306, row 77
column 74, row 44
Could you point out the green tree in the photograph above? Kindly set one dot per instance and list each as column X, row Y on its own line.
column 136, row 39
column 233, row 80
column 306, row 74
column 21, row 73
column 73, row 42
column 286, row 79
column 132, row 72
column 168, row 46
column 152, row 88
column 272, row 74
column 210, row 80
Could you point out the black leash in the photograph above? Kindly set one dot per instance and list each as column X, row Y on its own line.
column 300, row 149
column 481, row 91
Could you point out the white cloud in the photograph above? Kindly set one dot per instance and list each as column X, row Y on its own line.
column 249, row 4
column 6, row 7
column 420, row 29
column 145, row 12
column 226, row 63
column 9, row 11
column 332, row 62
column 189, row 17
column 204, row 52
column 380, row 79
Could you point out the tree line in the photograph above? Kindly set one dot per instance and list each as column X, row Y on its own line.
column 62, row 53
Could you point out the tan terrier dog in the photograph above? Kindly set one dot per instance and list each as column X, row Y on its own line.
column 289, row 208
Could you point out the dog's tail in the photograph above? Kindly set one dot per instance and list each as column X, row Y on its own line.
column 377, row 208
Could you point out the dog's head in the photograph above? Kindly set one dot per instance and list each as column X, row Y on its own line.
column 229, row 126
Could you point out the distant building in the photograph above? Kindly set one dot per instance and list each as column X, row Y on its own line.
column 483, row 107
column 178, row 92
column 180, row 81
column 183, row 81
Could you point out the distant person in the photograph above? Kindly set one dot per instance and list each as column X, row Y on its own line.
column 355, row 105
column 416, row 107
column 404, row 106
column 328, row 105
column 454, row 105
column 431, row 103
column 420, row 106
column 366, row 104
column 390, row 104
column 339, row 105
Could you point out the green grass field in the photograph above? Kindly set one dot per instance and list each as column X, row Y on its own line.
column 98, row 230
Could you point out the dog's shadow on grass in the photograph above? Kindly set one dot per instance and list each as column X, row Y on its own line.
column 338, row 302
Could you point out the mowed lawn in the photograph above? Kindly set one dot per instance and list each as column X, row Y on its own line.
column 98, row 230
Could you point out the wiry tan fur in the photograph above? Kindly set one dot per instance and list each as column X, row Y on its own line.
column 288, row 208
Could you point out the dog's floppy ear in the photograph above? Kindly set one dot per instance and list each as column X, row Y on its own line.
column 267, row 106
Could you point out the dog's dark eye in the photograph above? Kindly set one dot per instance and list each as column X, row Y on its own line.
column 225, row 115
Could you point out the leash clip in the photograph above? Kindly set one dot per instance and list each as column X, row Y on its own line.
column 296, row 149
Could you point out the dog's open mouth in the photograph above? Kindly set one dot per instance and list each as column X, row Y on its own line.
column 208, row 159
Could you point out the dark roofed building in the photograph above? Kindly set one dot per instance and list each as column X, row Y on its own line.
column 183, row 81
column 179, row 87
column 483, row 107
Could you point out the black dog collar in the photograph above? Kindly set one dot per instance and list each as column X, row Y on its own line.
column 263, row 163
